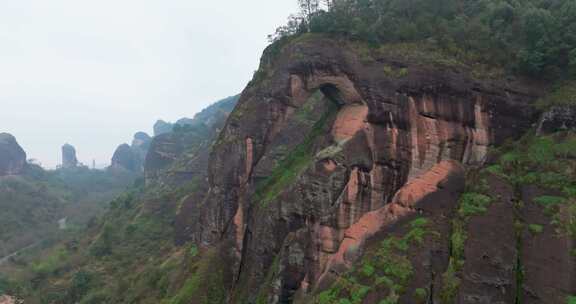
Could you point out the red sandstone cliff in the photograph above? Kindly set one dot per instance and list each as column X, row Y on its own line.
column 326, row 148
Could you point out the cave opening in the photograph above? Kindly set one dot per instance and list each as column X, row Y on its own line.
column 332, row 93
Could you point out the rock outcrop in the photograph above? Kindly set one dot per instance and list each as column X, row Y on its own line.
column 7, row 300
column 125, row 158
column 141, row 144
column 132, row 157
column 162, row 127
column 326, row 149
column 183, row 154
column 69, row 159
column 209, row 117
column 12, row 156
column 558, row 118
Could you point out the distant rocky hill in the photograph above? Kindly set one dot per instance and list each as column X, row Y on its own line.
column 32, row 199
column 177, row 160
column 207, row 116
column 12, row 156
column 161, row 127
column 190, row 137
column 69, row 159
column 131, row 157
column 171, row 139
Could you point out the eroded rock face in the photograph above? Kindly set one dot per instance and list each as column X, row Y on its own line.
column 558, row 118
column 125, row 158
column 131, row 157
column 12, row 156
column 141, row 143
column 162, row 127
column 69, row 159
column 182, row 154
column 328, row 150
column 7, row 300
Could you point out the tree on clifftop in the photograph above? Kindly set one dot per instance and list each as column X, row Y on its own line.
column 307, row 9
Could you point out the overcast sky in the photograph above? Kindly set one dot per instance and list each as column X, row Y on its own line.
column 92, row 73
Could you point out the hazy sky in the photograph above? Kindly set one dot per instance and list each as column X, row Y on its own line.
column 92, row 73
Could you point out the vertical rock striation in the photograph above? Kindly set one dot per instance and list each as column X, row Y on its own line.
column 327, row 149
column 12, row 156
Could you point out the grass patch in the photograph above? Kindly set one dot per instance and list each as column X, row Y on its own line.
column 540, row 160
column 51, row 263
column 288, row 170
column 450, row 279
column 535, row 228
column 393, row 72
column 472, row 203
column 550, row 201
column 205, row 285
column 386, row 268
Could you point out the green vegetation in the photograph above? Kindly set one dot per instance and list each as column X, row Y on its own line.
column 472, row 203
column 420, row 295
column 547, row 162
column 564, row 93
column 50, row 264
column 193, row 250
column 450, row 278
column 268, row 284
column 32, row 203
column 206, row 283
column 534, row 37
column 540, row 160
column 288, row 170
column 122, row 258
column 395, row 72
column 550, row 202
column 387, row 268
column 535, row 228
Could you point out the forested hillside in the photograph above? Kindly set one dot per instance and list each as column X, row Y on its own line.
column 32, row 203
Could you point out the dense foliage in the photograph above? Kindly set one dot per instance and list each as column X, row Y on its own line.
column 33, row 203
column 533, row 37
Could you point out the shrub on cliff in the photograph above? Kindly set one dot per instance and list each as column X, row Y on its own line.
column 534, row 37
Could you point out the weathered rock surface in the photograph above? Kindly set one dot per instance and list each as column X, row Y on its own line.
column 125, row 158
column 547, row 258
column 141, row 144
column 182, row 154
column 132, row 157
column 7, row 300
column 325, row 150
column 558, row 118
column 12, row 156
column 69, row 159
column 162, row 127
column 489, row 274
